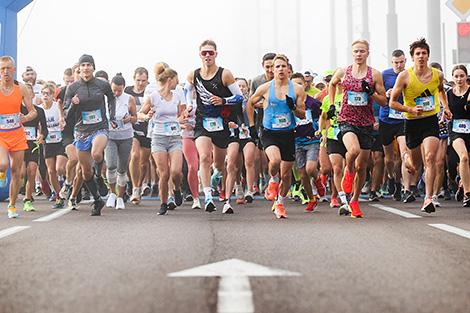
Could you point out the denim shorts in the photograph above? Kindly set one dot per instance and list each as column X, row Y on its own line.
column 163, row 143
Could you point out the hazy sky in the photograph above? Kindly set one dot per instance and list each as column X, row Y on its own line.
column 123, row 35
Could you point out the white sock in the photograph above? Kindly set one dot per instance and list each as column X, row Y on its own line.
column 342, row 197
column 207, row 193
column 280, row 199
column 274, row 179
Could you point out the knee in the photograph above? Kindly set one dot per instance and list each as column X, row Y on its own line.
column 111, row 174
column 286, row 176
column 275, row 162
column 354, row 152
column 164, row 175
column 361, row 167
column 430, row 159
column 122, row 179
column 231, row 166
column 205, row 158
column 87, row 174
column 464, row 158
column 97, row 156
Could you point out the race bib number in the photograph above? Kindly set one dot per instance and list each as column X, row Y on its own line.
column 243, row 133
column 10, row 121
column 281, row 121
column 427, row 103
column 398, row 115
column 358, row 98
column 213, row 124
column 172, row 129
column 91, row 117
column 461, row 126
column 54, row 137
column 30, row 133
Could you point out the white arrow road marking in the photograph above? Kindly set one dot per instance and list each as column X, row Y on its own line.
column 395, row 211
column 452, row 229
column 12, row 230
column 53, row 216
column 234, row 294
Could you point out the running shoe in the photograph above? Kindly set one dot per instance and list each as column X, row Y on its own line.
column 188, row 198
column 256, row 190
column 347, row 181
column 196, row 204
column 459, row 194
column 135, row 198
column 3, row 179
column 447, row 195
column 53, row 197
column 171, row 203
column 466, row 200
column 312, row 205
column 296, row 192
column 355, row 211
column 279, row 210
column 272, row 191
column 59, row 203
column 391, row 185
column 72, row 204
column 65, row 191
column 146, row 191
column 178, row 197
column 435, row 201
column 38, row 191
column 209, row 206
column 397, row 193
column 86, row 194
column 102, row 188
column 163, row 209
column 227, row 209
column 409, row 197
column 111, row 202
column 428, row 206
column 249, row 197
column 12, row 212
column 320, row 187
column 323, row 199
column 344, row 210
column 334, row 203
column 28, row 206
column 373, row 197
column 154, row 193
column 120, row 204
column 97, row 206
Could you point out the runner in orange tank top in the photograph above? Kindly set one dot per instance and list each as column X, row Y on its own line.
column 12, row 135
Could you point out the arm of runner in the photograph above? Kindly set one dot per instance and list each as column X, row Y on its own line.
column 255, row 98
column 335, row 80
column 300, row 102
column 189, row 89
column 379, row 94
column 111, row 102
column 400, row 84
column 443, row 98
column 25, row 94
column 132, row 110
column 237, row 95
column 145, row 112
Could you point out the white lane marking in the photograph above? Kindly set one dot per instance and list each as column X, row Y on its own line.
column 451, row 229
column 12, row 230
column 395, row 211
column 235, row 295
column 53, row 216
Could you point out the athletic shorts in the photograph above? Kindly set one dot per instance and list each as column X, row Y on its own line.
column 85, row 144
column 163, row 143
column 417, row 130
column 144, row 141
column 219, row 138
column 303, row 154
column 14, row 140
column 363, row 133
column 377, row 144
column 388, row 132
column 244, row 142
column 284, row 140
column 335, row 147
column 52, row 150
column 465, row 137
column 32, row 153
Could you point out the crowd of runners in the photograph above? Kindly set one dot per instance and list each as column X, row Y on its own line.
column 402, row 133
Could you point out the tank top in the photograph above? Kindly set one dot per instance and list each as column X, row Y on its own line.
column 165, row 117
column 460, row 117
column 425, row 95
column 123, row 131
column 277, row 115
column 10, row 110
column 356, row 107
column 53, row 126
column 140, row 127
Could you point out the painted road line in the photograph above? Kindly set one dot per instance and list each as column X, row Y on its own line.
column 395, row 211
column 12, row 230
column 234, row 294
column 451, row 229
column 53, row 216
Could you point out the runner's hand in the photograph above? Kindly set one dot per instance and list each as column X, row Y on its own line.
column 253, row 133
column 22, row 118
column 217, row 100
column 113, row 123
column 75, row 99
column 232, row 125
column 331, row 112
column 367, row 88
column 290, row 103
column 126, row 119
column 448, row 114
column 417, row 110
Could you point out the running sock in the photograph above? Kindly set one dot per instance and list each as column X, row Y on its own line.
column 280, row 199
column 274, row 179
column 208, row 193
column 342, row 197
column 93, row 188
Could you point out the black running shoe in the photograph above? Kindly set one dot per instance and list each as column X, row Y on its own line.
column 373, row 197
column 102, row 188
column 409, row 197
column 447, row 195
column 459, row 194
column 466, row 200
column 163, row 209
column 97, row 206
column 178, row 197
column 188, row 198
column 391, row 186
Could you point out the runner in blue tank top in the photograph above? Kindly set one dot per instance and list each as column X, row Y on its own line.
column 284, row 100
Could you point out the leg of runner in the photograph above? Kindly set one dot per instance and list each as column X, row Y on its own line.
column 306, row 174
column 31, row 168
column 377, row 174
column 274, row 165
column 249, row 152
column 161, row 160
column 464, row 168
column 337, row 162
column 16, row 160
column 430, row 148
column 54, row 180
column 111, row 156
column 204, row 149
column 232, row 170
column 176, row 165
column 70, row 170
column 192, row 158
column 135, row 170
column 440, row 169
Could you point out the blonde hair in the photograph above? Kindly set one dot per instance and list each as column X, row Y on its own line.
column 281, row 57
column 208, row 42
column 362, row 41
column 50, row 87
column 7, row 58
column 163, row 73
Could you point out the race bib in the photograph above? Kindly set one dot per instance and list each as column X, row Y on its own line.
column 54, row 137
column 427, row 103
column 10, row 121
column 461, row 126
column 358, row 98
column 335, row 133
column 398, row 115
column 243, row 133
column 30, row 133
column 213, row 124
column 91, row 117
column 281, row 121
column 172, row 129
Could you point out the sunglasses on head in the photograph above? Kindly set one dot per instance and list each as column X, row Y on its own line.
column 207, row 52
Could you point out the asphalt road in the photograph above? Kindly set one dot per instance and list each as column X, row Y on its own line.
column 119, row 262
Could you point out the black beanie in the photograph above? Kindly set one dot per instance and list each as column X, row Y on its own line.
column 86, row 58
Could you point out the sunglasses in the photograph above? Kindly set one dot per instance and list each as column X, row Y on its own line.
column 207, row 52
column 45, row 93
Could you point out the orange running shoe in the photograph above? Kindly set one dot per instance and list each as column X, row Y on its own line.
column 279, row 210
column 334, row 203
column 312, row 205
column 320, row 187
column 347, row 182
column 272, row 191
column 355, row 211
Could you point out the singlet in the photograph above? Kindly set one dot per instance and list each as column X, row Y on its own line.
column 10, row 110
column 165, row 117
column 277, row 114
column 140, row 127
column 460, row 117
column 312, row 114
column 425, row 95
column 356, row 108
column 333, row 130
column 388, row 115
column 123, row 131
column 31, row 128
column 53, row 126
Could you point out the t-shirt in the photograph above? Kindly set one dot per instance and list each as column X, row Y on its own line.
column 386, row 113
column 333, row 130
column 165, row 117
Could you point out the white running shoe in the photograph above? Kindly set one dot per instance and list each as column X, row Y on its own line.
column 196, row 204
column 135, row 198
column 227, row 208
column 120, row 204
column 111, row 202
column 436, row 203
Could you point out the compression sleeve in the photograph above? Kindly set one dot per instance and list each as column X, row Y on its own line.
column 237, row 96
column 111, row 102
column 188, row 93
